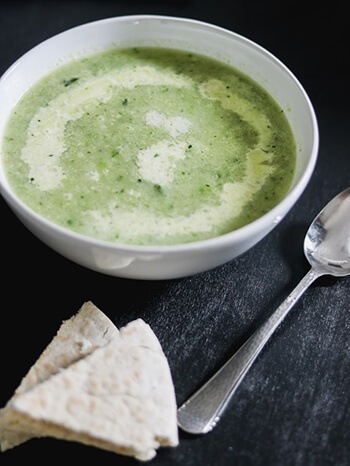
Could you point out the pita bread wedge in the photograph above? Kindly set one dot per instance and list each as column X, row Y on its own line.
column 119, row 398
column 87, row 330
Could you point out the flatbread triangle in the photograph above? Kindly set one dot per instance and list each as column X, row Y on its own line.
column 78, row 336
column 120, row 397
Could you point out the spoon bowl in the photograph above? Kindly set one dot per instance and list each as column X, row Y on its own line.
column 327, row 242
column 327, row 248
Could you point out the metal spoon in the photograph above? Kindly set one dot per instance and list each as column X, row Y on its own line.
column 327, row 248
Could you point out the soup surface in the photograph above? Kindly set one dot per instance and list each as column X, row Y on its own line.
column 149, row 146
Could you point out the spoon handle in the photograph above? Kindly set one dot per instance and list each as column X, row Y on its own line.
column 202, row 411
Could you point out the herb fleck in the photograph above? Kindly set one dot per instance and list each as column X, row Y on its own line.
column 158, row 188
column 68, row 82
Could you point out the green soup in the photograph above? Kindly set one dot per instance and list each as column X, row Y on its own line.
column 149, row 146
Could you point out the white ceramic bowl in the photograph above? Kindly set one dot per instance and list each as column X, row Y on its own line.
column 164, row 262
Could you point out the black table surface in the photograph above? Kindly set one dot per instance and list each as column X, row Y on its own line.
column 292, row 408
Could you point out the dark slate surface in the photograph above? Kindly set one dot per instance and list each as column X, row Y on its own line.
column 292, row 409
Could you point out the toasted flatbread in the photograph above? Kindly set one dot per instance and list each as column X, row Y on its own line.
column 119, row 398
column 78, row 336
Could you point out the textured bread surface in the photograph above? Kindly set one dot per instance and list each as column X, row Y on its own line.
column 97, row 385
